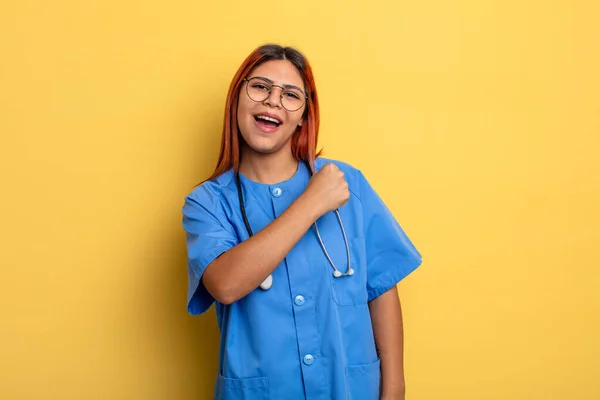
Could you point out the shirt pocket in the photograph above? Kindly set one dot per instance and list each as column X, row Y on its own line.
column 364, row 381
column 242, row 389
column 350, row 290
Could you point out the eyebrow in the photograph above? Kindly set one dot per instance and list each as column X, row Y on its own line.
column 287, row 86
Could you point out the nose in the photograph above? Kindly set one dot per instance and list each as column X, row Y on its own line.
column 274, row 99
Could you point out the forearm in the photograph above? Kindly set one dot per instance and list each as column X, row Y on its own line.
column 243, row 268
column 386, row 316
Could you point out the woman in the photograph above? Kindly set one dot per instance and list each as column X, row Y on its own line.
column 306, row 303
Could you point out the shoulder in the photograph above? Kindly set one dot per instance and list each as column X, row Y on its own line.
column 353, row 175
column 343, row 166
column 209, row 194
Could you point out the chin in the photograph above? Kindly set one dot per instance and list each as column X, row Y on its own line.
column 263, row 149
column 264, row 145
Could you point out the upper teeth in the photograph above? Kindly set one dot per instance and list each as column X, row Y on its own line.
column 268, row 118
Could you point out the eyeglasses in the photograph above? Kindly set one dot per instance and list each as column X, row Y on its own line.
column 259, row 89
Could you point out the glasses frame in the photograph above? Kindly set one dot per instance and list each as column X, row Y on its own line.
column 272, row 85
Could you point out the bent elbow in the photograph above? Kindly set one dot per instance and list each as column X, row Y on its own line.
column 220, row 291
column 224, row 296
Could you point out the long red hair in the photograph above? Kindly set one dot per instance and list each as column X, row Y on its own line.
column 304, row 140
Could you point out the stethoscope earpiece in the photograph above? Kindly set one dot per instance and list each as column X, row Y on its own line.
column 339, row 274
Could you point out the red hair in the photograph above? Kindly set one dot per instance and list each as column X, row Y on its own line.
column 304, row 140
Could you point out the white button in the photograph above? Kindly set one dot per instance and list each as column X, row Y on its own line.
column 299, row 300
column 276, row 192
column 308, row 359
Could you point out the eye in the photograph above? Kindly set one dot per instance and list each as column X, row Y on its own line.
column 260, row 86
column 292, row 95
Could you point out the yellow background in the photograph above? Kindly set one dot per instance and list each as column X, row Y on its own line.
column 477, row 121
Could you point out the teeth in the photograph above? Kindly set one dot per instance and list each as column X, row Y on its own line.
column 264, row 117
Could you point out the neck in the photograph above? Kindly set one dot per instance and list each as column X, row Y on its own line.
column 268, row 168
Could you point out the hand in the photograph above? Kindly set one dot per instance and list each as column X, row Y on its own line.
column 327, row 189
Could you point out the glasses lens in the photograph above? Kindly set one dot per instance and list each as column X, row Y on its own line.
column 258, row 89
column 292, row 99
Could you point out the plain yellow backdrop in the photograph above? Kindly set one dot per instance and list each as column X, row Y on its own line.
column 478, row 122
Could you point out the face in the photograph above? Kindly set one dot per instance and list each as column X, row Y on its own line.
column 266, row 126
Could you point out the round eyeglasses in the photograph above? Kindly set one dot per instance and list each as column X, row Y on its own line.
column 259, row 89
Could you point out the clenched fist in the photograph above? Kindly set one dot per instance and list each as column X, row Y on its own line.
column 327, row 189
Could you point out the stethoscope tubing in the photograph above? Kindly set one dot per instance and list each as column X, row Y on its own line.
column 268, row 282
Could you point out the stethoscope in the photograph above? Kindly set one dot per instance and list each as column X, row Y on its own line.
column 267, row 283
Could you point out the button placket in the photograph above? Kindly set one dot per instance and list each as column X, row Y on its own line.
column 308, row 336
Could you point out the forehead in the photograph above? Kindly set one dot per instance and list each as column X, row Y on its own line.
column 281, row 72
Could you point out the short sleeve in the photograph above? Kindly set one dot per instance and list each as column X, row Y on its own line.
column 391, row 256
column 208, row 235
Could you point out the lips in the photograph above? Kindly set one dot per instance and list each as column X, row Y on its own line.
column 268, row 117
column 267, row 122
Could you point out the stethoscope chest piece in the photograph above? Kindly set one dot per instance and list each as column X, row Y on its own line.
column 267, row 283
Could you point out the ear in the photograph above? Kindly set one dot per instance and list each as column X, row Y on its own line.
column 300, row 123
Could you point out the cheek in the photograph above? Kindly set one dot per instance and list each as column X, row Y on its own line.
column 241, row 109
column 297, row 120
column 243, row 113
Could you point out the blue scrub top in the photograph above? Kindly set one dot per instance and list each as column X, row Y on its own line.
column 310, row 335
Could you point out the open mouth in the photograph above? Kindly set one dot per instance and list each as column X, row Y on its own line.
column 267, row 122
